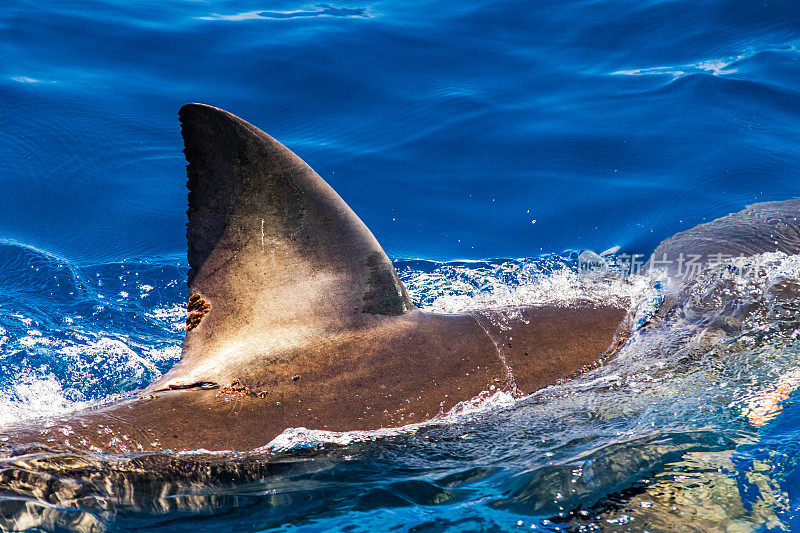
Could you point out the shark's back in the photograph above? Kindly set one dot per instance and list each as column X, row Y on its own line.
column 297, row 318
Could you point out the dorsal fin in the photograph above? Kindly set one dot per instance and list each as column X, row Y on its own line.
column 271, row 246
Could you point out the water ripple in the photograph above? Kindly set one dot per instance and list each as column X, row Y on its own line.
column 322, row 10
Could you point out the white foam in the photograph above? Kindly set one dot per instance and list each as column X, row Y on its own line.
column 34, row 396
column 524, row 284
column 126, row 361
column 174, row 315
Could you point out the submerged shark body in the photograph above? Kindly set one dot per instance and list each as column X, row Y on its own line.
column 758, row 229
column 297, row 319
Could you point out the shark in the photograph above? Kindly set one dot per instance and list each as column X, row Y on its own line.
column 296, row 318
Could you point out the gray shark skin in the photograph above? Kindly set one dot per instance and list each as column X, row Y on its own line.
column 296, row 318
column 757, row 229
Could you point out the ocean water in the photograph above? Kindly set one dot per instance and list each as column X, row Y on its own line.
column 483, row 143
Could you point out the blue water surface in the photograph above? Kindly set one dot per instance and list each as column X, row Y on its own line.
column 486, row 129
column 449, row 128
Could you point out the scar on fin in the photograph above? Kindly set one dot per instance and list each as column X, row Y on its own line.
column 195, row 385
column 197, row 308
